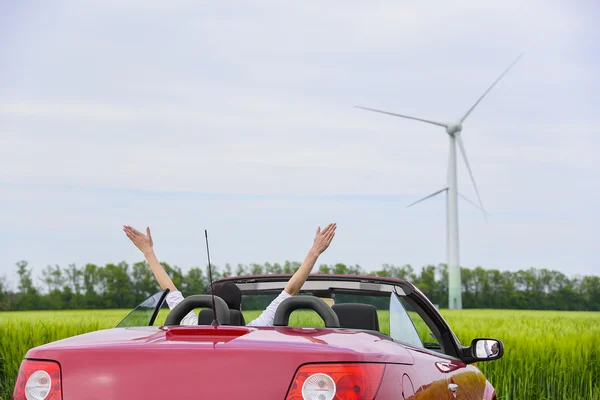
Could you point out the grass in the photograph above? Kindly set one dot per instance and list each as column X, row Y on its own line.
column 548, row 355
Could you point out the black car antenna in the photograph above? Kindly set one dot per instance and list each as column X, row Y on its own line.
column 215, row 321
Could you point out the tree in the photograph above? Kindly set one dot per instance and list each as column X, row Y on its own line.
column 442, row 276
column 241, row 270
column 74, row 276
column 4, row 295
column 290, row 267
column 384, row 272
column 590, row 291
column 256, row 269
column 28, row 294
column 324, row 269
column 52, row 277
column 25, row 281
column 428, row 285
column 143, row 282
column 176, row 274
column 227, row 271
column 276, row 269
column 92, row 285
column 194, row 282
column 49, row 278
column 124, row 286
column 355, row 270
column 566, row 293
column 118, row 286
column 340, row 269
column 215, row 273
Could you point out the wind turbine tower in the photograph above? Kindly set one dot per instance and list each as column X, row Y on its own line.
column 453, row 129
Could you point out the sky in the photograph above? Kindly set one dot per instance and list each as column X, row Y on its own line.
column 240, row 118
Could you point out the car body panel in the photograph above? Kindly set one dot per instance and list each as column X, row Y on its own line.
column 471, row 382
column 213, row 362
column 427, row 377
column 357, row 345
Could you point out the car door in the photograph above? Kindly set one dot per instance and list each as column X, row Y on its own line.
column 463, row 381
column 427, row 376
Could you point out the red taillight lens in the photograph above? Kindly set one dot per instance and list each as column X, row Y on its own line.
column 38, row 380
column 352, row 381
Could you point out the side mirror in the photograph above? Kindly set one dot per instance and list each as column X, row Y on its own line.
column 483, row 349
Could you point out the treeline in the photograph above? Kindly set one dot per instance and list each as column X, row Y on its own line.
column 124, row 286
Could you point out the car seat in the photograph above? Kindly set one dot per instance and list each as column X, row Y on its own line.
column 357, row 316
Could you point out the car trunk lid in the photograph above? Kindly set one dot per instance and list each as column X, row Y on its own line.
column 204, row 362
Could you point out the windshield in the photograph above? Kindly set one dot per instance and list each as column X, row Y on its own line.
column 145, row 313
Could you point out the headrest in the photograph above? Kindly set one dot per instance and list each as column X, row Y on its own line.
column 205, row 316
column 357, row 316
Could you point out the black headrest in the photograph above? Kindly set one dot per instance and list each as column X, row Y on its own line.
column 236, row 318
column 357, row 316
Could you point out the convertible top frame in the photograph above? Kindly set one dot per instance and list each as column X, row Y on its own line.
column 322, row 283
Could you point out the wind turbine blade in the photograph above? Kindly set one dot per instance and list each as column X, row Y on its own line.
column 464, row 155
column 473, row 203
column 490, row 88
column 404, row 116
column 428, row 197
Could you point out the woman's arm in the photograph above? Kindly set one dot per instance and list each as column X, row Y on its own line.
column 322, row 241
column 145, row 244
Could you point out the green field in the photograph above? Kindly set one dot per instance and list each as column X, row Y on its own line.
column 548, row 355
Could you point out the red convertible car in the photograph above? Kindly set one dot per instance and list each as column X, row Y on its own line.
column 369, row 338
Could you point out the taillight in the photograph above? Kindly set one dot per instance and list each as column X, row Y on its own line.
column 38, row 380
column 336, row 382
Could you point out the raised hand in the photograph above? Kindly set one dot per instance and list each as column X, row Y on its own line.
column 141, row 241
column 323, row 238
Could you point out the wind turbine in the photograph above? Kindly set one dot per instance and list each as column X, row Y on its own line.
column 453, row 129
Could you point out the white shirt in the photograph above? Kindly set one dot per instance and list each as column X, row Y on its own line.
column 487, row 349
column 264, row 319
